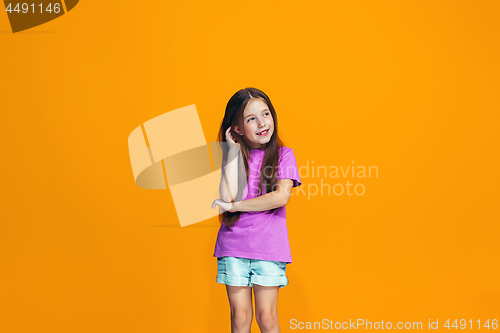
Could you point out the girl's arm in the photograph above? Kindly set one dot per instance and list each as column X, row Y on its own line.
column 271, row 200
column 229, row 183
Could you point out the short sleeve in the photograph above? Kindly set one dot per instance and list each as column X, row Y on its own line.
column 287, row 168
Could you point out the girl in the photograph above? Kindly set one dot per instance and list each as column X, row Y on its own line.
column 252, row 247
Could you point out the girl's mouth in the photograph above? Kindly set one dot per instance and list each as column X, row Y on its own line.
column 263, row 133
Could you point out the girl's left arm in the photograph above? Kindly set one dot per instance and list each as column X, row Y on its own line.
column 271, row 200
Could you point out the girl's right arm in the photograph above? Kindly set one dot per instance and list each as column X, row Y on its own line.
column 229, row 183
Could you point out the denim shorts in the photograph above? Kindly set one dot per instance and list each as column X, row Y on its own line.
column 243, row 272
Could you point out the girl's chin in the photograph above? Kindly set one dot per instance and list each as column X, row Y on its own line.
column 258, row 144
column 262, row 140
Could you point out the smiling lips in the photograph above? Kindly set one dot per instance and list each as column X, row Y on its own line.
column 263, row 133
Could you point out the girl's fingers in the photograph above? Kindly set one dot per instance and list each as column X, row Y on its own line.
column 229, row 136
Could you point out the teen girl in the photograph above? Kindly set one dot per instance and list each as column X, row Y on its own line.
column 252, row 247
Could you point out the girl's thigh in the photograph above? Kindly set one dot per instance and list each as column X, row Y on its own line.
column 240, row 299
column 266, row 299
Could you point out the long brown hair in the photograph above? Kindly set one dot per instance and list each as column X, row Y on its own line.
column 234, row 117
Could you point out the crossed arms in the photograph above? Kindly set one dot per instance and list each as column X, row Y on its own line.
column 229, row 187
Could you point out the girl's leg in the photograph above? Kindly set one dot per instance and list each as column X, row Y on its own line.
column 266, row 308
column 240, row 301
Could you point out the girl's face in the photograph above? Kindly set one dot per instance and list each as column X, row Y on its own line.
column 256, row 119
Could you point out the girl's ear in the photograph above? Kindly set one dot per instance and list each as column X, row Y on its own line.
column 237, row 130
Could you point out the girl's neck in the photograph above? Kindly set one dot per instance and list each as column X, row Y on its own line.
column 260, row 148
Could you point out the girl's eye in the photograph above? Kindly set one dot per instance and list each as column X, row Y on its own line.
column 267, row 113
column 249, row 119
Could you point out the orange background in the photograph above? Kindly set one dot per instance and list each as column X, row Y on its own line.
column 409, row 87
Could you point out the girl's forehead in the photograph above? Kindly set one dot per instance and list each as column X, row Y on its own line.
column 255, row 105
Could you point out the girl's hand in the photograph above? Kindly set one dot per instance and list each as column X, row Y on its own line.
column 226, row 206
column 231, row 140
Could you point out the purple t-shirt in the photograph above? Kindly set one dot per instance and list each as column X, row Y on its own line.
column 260, row 235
